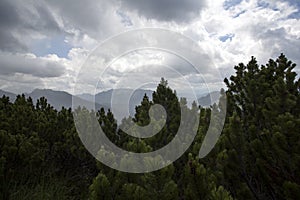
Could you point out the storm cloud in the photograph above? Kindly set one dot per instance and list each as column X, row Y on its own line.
column 20, row 22
column 166, row 10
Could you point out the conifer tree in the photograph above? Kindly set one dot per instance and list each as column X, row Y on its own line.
column 261, row 140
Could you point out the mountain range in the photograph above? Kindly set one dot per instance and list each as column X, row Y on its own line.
column 59, row 99
column 105, row 98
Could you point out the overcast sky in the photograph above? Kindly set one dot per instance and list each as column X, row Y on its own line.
column 44, row 43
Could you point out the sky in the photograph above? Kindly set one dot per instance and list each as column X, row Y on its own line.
column 46, row 43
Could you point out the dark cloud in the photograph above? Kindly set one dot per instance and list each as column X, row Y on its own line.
column 10, row 43
column 83, row 14
column 93, row 17
column 11, row 64
column 19, row 21
column 8, row 14
column 40, row 19
column 166, row 10
column 8, row 18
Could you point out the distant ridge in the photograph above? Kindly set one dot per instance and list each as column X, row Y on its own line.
column 105, row 97
column 59, row 99
column 12, row 96
column 209, row 99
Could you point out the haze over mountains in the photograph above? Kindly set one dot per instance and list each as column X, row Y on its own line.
column 59, row 99
column 209, row 99
column 105, row 98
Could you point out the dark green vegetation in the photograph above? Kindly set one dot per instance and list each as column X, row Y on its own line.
column 256, row 157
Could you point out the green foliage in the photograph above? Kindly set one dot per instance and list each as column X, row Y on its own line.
column 37, row 142
column 47, row 189
column 261, row 139
column 256, row 157
column 100, row 189
column 187, row 178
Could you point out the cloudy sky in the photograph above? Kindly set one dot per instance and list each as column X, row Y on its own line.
column 45, row 43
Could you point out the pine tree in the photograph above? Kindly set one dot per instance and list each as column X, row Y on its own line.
column 261, row 146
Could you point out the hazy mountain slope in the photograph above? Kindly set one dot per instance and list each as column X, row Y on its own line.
column 57, row 99
column 11, row 95
column 105, row 98
column 209, row 99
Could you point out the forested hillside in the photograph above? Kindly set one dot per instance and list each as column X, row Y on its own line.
column 256, row 157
